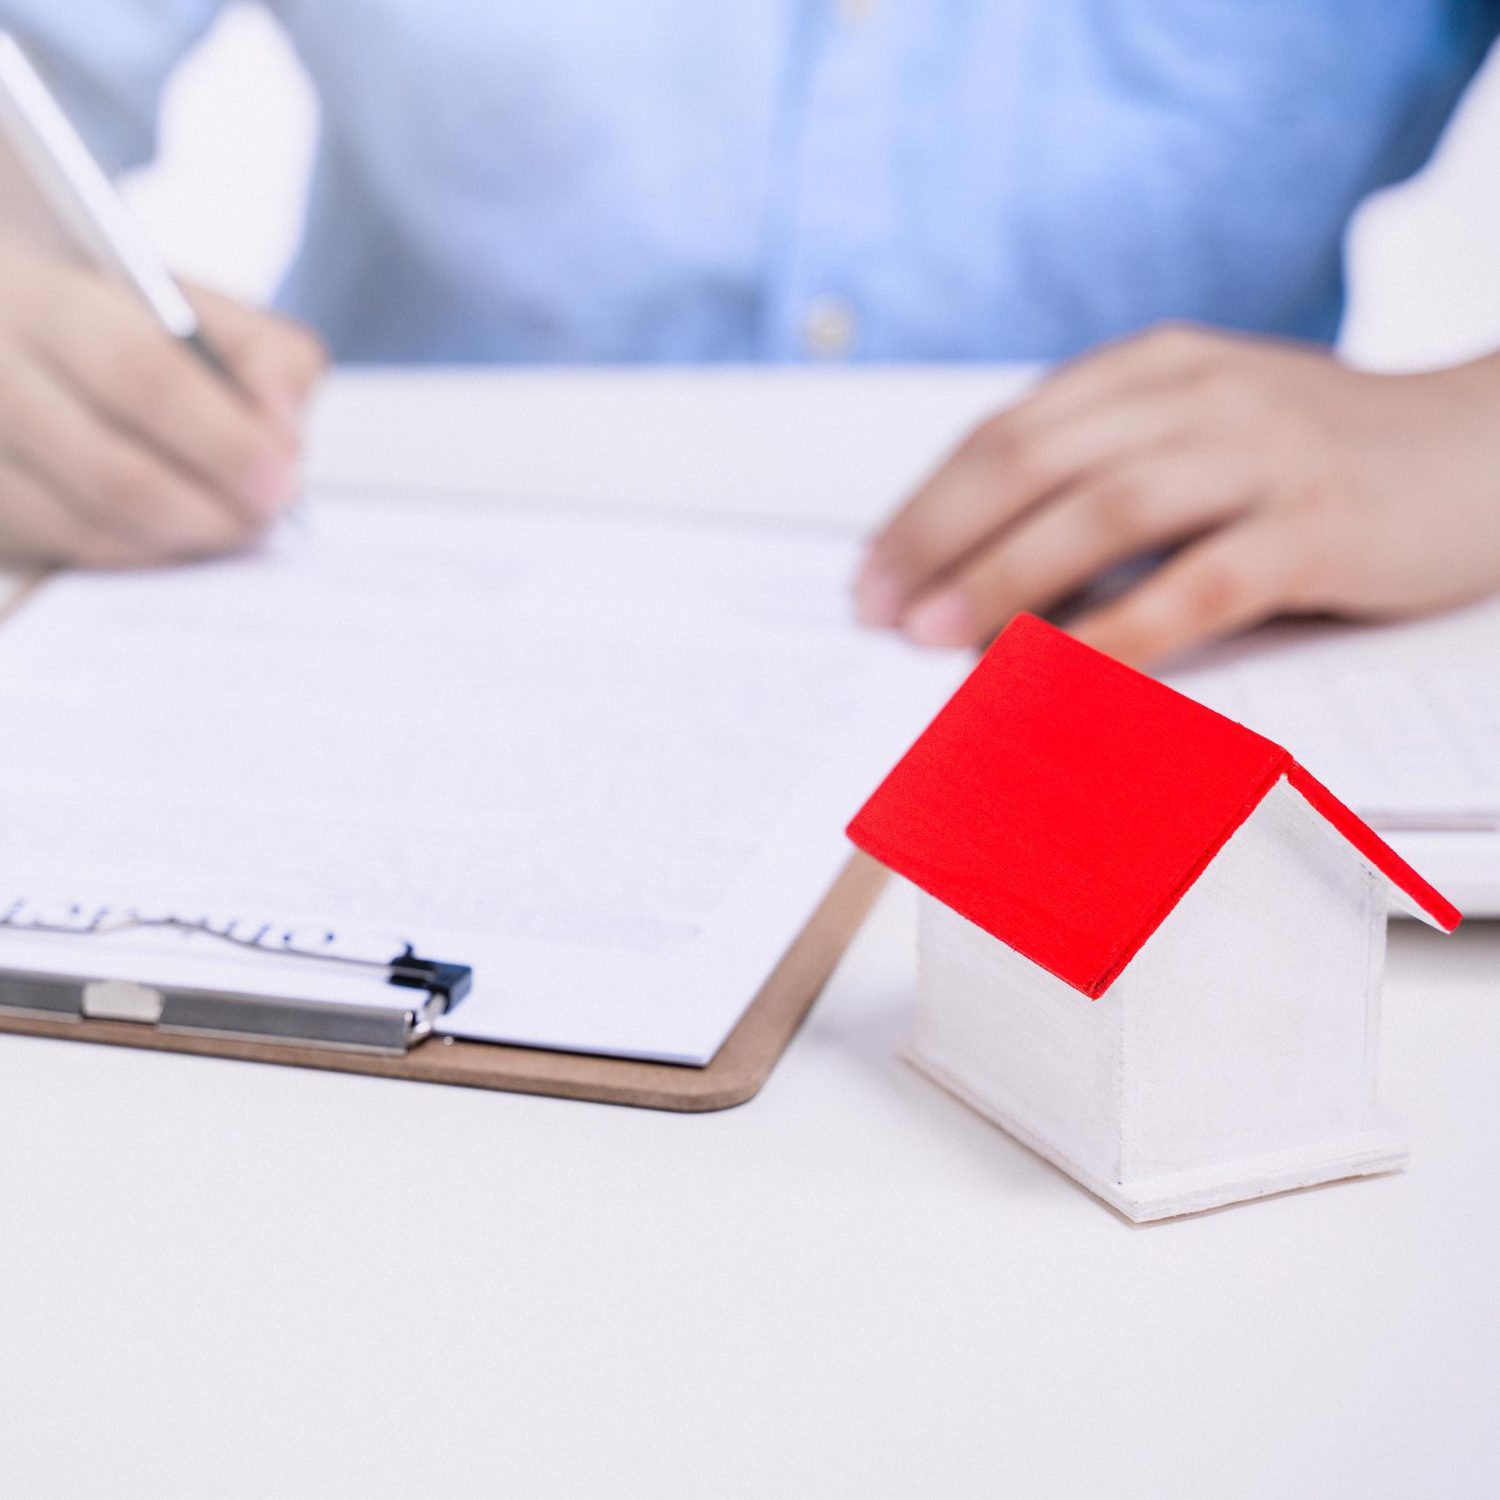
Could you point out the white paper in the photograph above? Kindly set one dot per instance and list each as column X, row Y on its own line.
column 606, row 760
column 1402, row 722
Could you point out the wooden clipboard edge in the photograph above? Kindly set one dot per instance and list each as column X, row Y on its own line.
column 735, row 1075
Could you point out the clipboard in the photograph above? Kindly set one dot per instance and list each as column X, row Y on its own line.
column 735, row 1075
column 694, row 1030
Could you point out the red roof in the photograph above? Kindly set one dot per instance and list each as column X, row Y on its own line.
column 1065, row 803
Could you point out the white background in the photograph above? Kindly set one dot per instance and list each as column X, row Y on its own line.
column 224, row 1282
column 238, row 127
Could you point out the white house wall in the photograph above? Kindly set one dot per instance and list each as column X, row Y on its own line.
column 1016, row 1041
column 1251, row 1014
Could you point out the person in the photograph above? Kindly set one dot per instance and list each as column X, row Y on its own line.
column 1083, row 181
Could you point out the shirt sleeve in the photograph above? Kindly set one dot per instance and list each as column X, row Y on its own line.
column 108, row 63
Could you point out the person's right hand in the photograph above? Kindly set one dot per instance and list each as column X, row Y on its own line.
column 119, row 446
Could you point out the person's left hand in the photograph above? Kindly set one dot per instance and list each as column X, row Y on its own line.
column 1286, row 480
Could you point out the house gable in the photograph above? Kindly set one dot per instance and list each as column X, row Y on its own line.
column 1251, row 1015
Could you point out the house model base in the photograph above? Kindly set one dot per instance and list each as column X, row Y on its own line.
column 1189, row 1192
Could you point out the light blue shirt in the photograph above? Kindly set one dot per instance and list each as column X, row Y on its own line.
column 777, row 179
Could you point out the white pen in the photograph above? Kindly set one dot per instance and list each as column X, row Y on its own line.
column 84, row 203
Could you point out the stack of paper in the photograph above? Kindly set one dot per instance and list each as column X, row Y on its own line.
column 1402, row 721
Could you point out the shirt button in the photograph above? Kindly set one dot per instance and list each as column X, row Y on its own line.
column 856, row 12
column 829, row 328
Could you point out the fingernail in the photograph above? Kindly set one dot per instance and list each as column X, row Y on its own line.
column 878, row 594
column 944, row 620
column 271, row 483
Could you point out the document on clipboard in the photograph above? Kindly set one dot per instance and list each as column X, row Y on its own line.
column 601, row 760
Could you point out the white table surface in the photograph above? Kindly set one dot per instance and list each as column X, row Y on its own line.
column 222, row 1280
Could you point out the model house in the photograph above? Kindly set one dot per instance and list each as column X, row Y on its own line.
column 1150, row 942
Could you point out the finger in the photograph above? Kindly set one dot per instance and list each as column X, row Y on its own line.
column 152, row 387
column 36, row 528
column 1131, row 367
column 109, row 482
column 991, row 481
column 1165, row 353
column 280, row 361
column 1060, row 546
column 1232, row 579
